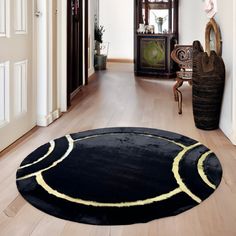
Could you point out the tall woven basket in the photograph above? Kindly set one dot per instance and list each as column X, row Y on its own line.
column 208, row 87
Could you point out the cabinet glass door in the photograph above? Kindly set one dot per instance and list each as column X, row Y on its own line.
column 160, row 14
column 153, row 53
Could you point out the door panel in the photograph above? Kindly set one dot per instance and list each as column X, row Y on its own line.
column 17, row 101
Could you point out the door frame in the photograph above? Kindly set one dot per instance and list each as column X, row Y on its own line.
column 62, row 51
column 86, row 41
column 62, row 54
column 74, row 52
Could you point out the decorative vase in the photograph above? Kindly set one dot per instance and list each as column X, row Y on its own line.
column 100, row 62
column 208, row 87
column 159, row 21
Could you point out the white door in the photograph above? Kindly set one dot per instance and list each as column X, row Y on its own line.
column 17, row 96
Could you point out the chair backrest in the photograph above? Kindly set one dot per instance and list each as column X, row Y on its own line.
column 183, row 56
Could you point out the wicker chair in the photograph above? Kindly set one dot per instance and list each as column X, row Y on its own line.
column 182, row 55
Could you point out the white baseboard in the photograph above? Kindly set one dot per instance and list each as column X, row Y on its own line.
column 91, row 71
column 228, row 131
column 50, row 118
column 232, row 138
column 120, row 60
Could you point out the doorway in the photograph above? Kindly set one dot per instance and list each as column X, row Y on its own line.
column 120, row 37
column 74, row 47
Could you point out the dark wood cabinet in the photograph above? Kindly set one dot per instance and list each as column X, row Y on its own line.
column 155, row 34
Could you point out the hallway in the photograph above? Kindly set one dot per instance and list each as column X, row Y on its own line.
column 116, row 98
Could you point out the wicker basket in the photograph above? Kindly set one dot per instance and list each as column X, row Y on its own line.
column 208, row 87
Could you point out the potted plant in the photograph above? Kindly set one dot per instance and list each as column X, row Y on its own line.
column 99, row 59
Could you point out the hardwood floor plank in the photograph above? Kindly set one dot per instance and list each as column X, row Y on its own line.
column 49, row 225
column 85, row 230
column 22, row 224
column 8, row 192
column 15, row 206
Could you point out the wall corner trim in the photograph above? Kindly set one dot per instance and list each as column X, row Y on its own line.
column 45, row 121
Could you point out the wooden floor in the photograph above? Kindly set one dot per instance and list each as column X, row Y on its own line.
column 117, row 98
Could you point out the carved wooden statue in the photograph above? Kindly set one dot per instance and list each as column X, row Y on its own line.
column 208, row 86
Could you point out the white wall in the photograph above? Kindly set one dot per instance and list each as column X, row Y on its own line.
column 192, row 21
column 225, row 20
column 233, row 138
column 117, row 18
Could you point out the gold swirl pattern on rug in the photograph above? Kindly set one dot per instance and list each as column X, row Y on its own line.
column 50, row 150
column 70, row 148
column 42, row 183
column 175, row 169
column 201, row 172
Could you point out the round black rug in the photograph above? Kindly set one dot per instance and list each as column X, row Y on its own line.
column 118, row 176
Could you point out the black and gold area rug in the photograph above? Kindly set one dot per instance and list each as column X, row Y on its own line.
column 118, row 176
